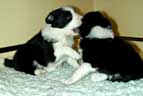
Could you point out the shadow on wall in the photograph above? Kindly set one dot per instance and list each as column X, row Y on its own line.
column 116, row 32
column 113, row 22
column 78, row 10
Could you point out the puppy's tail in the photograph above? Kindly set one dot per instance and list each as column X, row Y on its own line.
column 6, row 63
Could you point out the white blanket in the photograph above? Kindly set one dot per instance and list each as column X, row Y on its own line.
column 14, row 83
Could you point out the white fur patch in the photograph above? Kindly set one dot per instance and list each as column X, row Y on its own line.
column 76, row 19
column 100, row 33
column 53, row 34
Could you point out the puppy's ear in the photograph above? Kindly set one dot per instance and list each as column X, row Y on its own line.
column 49, row 19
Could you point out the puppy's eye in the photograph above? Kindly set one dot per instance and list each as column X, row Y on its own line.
column 68, row 17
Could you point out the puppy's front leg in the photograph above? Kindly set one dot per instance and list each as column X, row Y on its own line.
column 57, row 64
column 74, row 63
column 64, row 53
column 83, row 70
column 71, row 53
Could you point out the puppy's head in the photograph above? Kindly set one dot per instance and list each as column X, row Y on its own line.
column 95, row 25
column 64, row 18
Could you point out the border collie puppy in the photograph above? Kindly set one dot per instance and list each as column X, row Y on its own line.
column 107, row 56
column 51, row 46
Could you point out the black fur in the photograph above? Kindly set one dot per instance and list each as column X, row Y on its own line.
column 93, row 19
column 37, row 49
column 111, row 56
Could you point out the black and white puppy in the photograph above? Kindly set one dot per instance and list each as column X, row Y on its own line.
column 51, row 46
column 107, row 56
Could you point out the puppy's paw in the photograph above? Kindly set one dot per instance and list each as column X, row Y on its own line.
column 74, row 63
column 75, row 55
column 40, row 71
column 53, row 66
column 96, row 77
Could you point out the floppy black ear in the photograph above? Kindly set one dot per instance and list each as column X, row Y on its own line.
column 49, row 19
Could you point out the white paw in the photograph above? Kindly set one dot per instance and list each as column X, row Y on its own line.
column 74, row 63
column 76, row 55
column 52, row 67
column 96, row 77
column 71, row 52
column 40, row 71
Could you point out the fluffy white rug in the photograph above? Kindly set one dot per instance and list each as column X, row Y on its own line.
column 13, row 83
